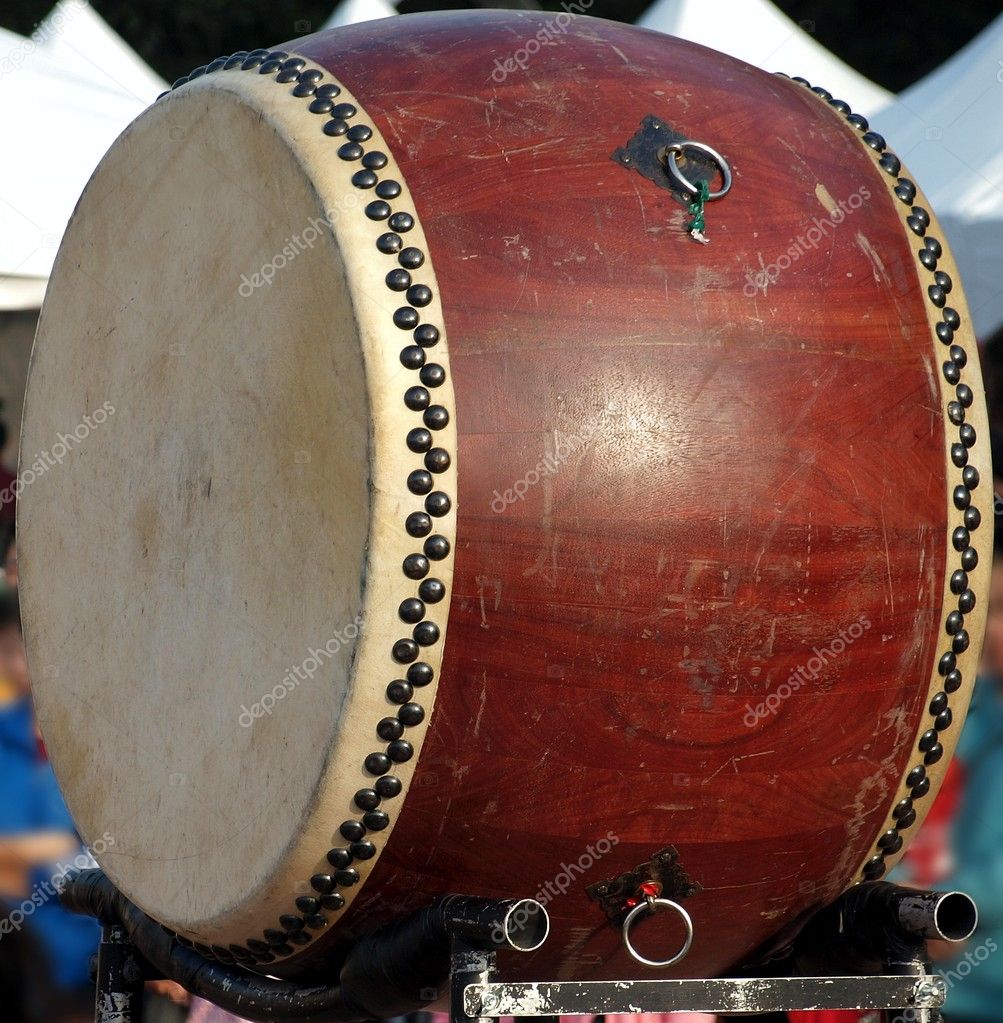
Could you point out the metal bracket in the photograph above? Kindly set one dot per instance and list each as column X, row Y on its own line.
column 478, row 995
column 924, row 994
column 663, row 868
column 640, row 153
column 478, row 928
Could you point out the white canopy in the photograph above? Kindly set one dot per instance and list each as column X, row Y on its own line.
column 76, row 38
column 68, row 92
column 350, row 12
column 948, row 130
column 758, row 33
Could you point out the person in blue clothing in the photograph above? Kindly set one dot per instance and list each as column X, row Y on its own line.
column 44, row 950
column 975, row 977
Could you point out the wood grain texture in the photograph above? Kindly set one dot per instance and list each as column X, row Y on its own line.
column 747, row 473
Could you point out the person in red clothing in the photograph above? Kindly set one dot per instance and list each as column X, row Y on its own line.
column 7, row 479
column 8, row 556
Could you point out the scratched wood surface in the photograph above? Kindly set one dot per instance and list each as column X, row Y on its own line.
column 716, row 479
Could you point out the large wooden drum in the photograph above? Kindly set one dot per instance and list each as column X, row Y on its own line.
column 434, row 513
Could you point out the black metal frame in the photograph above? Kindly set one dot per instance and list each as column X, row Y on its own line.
column 118, row 993
column 478, row 995
column 876, row 919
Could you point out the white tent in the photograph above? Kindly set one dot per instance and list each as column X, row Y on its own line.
column 758, row 33
column 75, row 37
column 948, row 131
column 67, row 94
column 350, row 12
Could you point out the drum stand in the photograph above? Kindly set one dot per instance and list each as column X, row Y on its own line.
column 477, row 995
column 876, row 930
column 877, row 927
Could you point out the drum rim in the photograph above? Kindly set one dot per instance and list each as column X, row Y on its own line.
column 399, row 558
column 927, row 765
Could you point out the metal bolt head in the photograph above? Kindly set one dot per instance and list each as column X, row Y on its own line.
column 489, row 1003
column 930, row 993
column 131, row 972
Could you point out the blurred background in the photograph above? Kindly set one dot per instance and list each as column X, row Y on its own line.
column 928, row 76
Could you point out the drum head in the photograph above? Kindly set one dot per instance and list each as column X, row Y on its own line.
column 205, row 530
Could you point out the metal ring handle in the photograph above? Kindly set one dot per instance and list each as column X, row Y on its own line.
column 649, row 904
column 673, row 168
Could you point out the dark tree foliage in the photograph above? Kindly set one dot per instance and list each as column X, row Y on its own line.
column 892, row 44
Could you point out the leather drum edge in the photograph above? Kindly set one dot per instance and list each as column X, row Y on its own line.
column 947, row 313
column 412, row 483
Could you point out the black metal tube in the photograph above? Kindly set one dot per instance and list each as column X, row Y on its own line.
column 391, row 972
column 520, row 924
column 878, row 926
column 405, row 965
column 878, row 916
column 946, row 916
column 244, row 994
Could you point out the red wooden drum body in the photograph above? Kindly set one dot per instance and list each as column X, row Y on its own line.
column 679, row 544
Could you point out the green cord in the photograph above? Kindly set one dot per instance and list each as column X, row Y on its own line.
column 696, row 208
